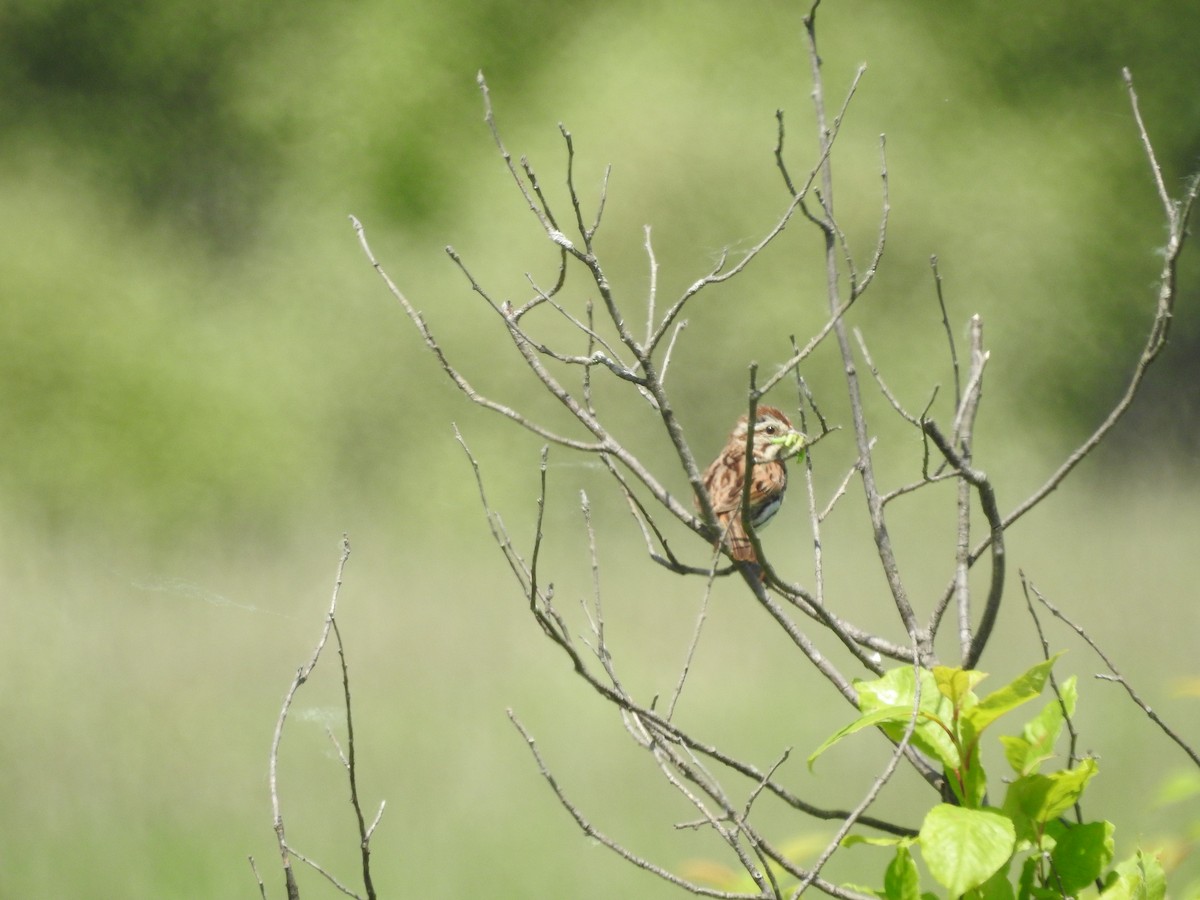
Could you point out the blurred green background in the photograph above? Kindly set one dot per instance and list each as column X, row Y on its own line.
column 204, row 385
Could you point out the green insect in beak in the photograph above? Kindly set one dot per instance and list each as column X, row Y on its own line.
column 793, row 444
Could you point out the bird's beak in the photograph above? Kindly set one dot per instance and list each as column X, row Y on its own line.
column 791, row 444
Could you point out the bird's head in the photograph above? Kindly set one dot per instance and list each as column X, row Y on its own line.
column 774, row 437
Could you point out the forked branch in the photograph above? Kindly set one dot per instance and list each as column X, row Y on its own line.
column 286, row 850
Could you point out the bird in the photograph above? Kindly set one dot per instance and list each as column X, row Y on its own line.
column 774, row 441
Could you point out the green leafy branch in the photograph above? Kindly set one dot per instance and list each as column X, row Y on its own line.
column 971, row 847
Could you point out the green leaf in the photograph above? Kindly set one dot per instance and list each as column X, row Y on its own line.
column 998, row 887
column 900, row 881
column 852, row 840
column 1081, row 853
column 1021, row 690
column 1036, row 744
column 1027, row 879
column 957, row 685
column 880, row 716
column 1138, row 878
column 897, row 687
column 1040, row 798
column 963, row 848
column 1070, row 693
column 1020, row 753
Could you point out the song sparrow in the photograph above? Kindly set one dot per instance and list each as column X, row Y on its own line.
column 774, row 441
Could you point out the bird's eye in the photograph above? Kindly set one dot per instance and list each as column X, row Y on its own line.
column 770, row 429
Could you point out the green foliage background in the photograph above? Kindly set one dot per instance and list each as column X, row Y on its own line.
column 203, row 384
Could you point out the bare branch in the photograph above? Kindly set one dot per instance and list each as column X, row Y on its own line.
column 1177, row 214
column 595, row 615
column 536, row 187
column 587, row 329
column 779, row 161
column 879, row 528
column 323, row 872
column 806, row 351
column 679, row 327
column 285, row 851
column 652, row 291
column 720, row 274
column 555, row 629
column 364, row 834
column 882, row 385
column 701, row 618
column 858, row 287
column 454, row 375
column 1072, row 756
column 1169, row 206
column 873, row 791
column 591, row 831
column 987, row 500
column 375, row 822
column 262, row 888
column 490, row 118
column 963, row 436
column 964, row 415
column 677, row 768
column 941, row 299
column 1119, row 678
column 841, row 490
column 585, row 232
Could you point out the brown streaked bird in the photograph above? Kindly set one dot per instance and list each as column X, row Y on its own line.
column 774, row 441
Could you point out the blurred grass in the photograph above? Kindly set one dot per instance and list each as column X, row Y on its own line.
column 204, row 385
column 143, row 692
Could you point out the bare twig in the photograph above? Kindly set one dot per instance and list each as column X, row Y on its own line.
column 679, row 327
column 1119, row 678
column 882, row 385
column 883, row 542
column 585, row 232
column 758, row 788
column 873, row 791
column 364, row 835
column 963, row 437
column 490, row 119
column 860, row 285
column 595, row 615
column 262, row 888
column 719, row 274
column 323, row 872
column 681, row 769
column 941, row 299
column 1169, row 206
column 591, row 831
column 1068, row 719
column 629, row 856
column 701, row 618
column 987, row 500
column 779, row 161
column 285, row 851
column 652, row 290
column 454, row 375
column 1177, row 214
